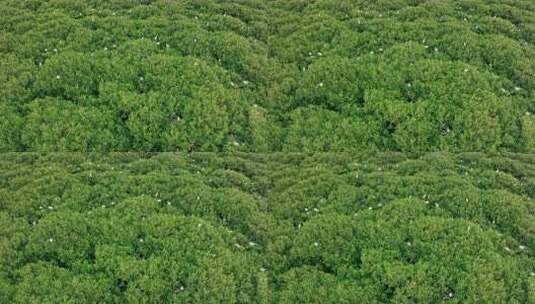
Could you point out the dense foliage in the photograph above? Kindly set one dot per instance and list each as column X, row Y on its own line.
column 280, row 228
column 260, row 75
column 316, row 151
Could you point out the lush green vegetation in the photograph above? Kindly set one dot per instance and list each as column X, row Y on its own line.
column 279, row 228
column 316, row 151
column 261, row 76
